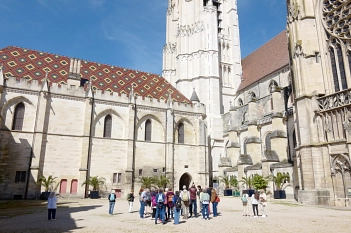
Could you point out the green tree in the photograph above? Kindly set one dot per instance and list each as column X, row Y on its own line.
column 259, row 182
column 234, row 183
column 247, row 182
column 95, row 182
column 47, row 183
column 146, row 181
column 280, row 180
column 226, row 180
column 161, row 181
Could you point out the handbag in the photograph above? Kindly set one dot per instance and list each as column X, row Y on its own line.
column 217, row 199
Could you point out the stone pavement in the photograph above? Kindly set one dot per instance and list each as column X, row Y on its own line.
column 87, row 215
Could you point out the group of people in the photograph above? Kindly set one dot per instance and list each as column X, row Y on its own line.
column 164, row 205
column 258, row 198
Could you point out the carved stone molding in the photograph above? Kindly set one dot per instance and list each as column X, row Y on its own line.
column 189, row 30
column 336, row 18
column 293, row 12
column 340, row 164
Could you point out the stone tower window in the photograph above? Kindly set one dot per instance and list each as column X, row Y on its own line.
column 107, row 126
column 18, row 117
column 181, row 133
column 148, row 130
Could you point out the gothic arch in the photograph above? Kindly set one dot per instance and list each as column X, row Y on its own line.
column 8, row 111
column 189, row 131
column 157, row 131
column 118, row 126
column 185, row 179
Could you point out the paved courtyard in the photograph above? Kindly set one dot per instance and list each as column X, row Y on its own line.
column 86, row 215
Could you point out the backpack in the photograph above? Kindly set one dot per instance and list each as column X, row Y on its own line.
column 153, row 200
column 185, row 196
column 244, row 198
column 112, row 197
column 170, row 198
column 178, row 203
column 160, row 200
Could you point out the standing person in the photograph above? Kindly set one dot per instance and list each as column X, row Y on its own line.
column 198, row 192
column 148, row 202
column 177, row 203
column 153, row 204
column 130, row 199
column 208, row 190
column 205, row 200
column 193, row 204
column 142, row 194
column 112, row 201
column 52, row 200
column 184, row 195
column 244, row 200
column 214, row 202
column 254, row 202
column 170, row 205
column 263, row 203
column 160, row 198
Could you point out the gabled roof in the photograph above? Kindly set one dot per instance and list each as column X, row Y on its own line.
column 31, row 64
column 267, row 59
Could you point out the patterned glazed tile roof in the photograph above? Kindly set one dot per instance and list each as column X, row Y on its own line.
column 267, row 59
column 31, row 64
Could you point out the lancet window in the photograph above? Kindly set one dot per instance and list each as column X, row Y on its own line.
column 18, row 117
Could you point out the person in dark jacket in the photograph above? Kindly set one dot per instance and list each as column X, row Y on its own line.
column 176, row 211
column 193, row 204
column 112, row 201
column 130, row 199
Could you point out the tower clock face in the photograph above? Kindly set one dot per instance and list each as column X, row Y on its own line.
column 336, row 16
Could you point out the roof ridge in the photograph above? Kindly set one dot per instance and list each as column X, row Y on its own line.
column 81, row 59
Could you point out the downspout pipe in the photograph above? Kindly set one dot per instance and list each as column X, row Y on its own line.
column 90, row 143
column 134, row 143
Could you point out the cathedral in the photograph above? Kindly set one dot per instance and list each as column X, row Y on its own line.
column 283, row 108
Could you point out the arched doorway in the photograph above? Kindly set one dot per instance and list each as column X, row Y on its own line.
column 185, row 179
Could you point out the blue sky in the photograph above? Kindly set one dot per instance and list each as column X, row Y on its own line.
column 126, row 33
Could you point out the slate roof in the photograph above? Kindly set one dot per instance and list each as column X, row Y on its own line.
column 267, row 59
column 31, row 64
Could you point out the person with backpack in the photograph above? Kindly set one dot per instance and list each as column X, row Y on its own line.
column 205, row 200
column 112, row 201
column 193, row 204
column 244, row 200
column 160, row 199
column 153, row 204
column 170, row 205
column 177, row 203
column 185, row 196
column 130, row 199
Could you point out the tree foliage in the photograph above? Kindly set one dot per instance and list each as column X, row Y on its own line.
column 161, row 181
column 280, row 180
column 226, row 180
column 259, row 182
column 234, row 183
column 247, row 182
column 95, row 182
column 146, row 181
column 47, row 183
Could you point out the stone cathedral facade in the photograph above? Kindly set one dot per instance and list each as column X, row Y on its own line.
column 284, row 108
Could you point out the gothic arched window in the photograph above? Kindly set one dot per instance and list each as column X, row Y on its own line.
column 18, row 117
column 336, row 24
column 148, row 130
column 181, row 133
column 107, row 126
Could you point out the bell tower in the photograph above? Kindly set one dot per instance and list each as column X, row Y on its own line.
column 202, row 51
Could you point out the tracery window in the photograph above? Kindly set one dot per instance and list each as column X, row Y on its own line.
column 337, row 23
column 18, row 117
column 181, row 133
column 107, row 126
column 148, row 130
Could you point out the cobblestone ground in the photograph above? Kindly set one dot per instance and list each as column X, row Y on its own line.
column 86, row 215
